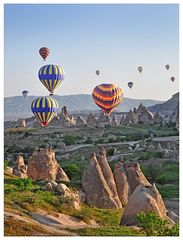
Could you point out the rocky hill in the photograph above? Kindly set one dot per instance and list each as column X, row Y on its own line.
column 18, row 107
column 169, row 105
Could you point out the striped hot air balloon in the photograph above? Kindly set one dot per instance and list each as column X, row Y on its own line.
column 44, row 52
column 44, row 109
column 107, row 96
column 51, row 76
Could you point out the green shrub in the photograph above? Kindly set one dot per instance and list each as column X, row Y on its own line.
column 162, row 180
column 152, row 171
column 155, row 226
column 23, row 184
column 72, row 170
column 89, row 140
column 70, row 140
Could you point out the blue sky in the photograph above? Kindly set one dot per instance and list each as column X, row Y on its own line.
column 83, row 38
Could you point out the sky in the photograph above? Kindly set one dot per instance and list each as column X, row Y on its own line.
column 114, row 38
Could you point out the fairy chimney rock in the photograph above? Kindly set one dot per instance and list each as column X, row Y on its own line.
column 98, row 183
column 43, row 166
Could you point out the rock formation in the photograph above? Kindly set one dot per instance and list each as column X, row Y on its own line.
column 91, row 120
column 131, row 118
column 43, row 166
column 131, row 176
column 122, row 121
column 21, row 123
column 143, row 199
column 121, row 183
column 104, row 120
column 158, row 118
column 146, row 116
column 98, row 183
column 80, row 120
column 20, row 168
column 114, row 121
column 65, row 119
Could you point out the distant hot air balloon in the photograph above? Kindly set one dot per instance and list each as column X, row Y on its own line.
column 167, row 66
column 44, row 52
column 130, row 84
column 44, row 109
column 97, row 72
column 107, row 96
column 140, row 69
column 172, row 79
column 51, row 76
column 25, row 93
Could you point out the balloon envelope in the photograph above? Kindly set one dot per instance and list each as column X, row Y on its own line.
column 130, row 84
column 167, row 66
column 25, row 93
column 172, row 79
column 51, row 76
column 97, row 72
column 44, row 109
column 44, row 52
column 140, row 69
column 107, row 96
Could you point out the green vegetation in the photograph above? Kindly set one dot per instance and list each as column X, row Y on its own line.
column 152, row 171
column 169, row 190
column 151, row 154
column 109, row 231
column 23, row 184
column 155, row 226
column 71, row 139
column 5, row 164
column 73, row 171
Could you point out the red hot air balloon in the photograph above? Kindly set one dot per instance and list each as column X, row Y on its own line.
column 44, row 52
column 107, row 97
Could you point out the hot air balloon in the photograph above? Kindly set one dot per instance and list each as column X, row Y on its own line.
column 51, row 76
column 25, row 93
column 44, row 52
column 172, row 79
column 167, row 66
column 97, row 72
column 44, row 109
column 130, row 84
column 140, row 69
column 107, row 97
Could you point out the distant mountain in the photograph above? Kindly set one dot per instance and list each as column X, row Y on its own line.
column 169, row 105
column 19, row 107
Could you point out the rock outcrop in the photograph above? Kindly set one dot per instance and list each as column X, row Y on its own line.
column 114, row 121
column 98, row 183
column 121, row 183
column 43, row 166
column 143, row 199
column 80, row 120
column 20, row 168
column 91, row 120
column 146, row 116
column 65, row 119
column 104, row 120
column 131, row 118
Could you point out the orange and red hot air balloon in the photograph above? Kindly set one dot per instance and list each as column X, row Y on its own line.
column 107, row 97
column 44, row 52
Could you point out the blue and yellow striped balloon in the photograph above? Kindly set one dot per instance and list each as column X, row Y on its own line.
column 51, row 76
column 44, row 109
